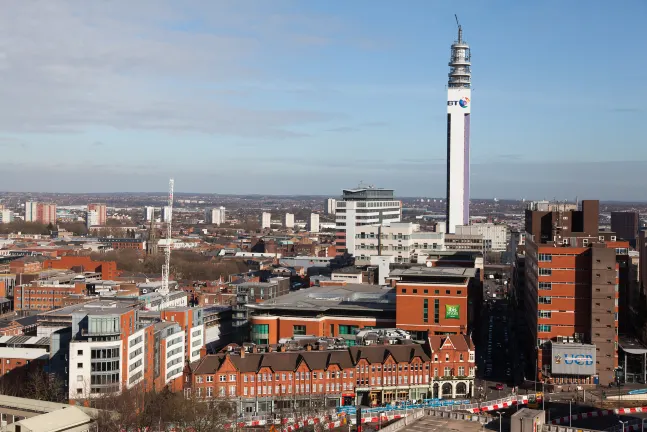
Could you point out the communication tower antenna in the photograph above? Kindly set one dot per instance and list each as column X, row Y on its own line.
column 167, row 252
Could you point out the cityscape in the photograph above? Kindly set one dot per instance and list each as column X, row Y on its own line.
column 357, row 289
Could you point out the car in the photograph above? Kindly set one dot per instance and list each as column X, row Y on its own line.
column 499, row 386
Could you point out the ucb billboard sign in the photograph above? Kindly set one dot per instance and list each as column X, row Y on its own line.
column 573, row 359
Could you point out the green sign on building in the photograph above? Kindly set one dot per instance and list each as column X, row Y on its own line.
column 452, row 311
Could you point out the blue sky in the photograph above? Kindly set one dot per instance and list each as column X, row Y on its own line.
column 308, row 97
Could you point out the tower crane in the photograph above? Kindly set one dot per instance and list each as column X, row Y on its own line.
column 166, row 267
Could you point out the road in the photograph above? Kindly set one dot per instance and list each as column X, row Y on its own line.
column 495, row 353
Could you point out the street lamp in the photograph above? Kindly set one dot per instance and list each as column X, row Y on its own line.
column 570, row 414
column 623, row 423
column 642, row 425
column 499, row 414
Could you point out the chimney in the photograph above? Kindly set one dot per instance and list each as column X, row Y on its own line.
column 203, row 352
column 242, row 352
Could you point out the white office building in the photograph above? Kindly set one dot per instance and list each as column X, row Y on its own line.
column 167, row 214
column 215, row 216
column 331, row 206
column 288, row 220
column 6, row 216
column 406, row 243
column 495, row 236
column 364, row 207
column 313, row 223
column 266, row 220
column 149, row 213
column 91, row 218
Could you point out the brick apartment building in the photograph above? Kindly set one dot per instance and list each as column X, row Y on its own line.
column 108, row 269
column 26, row 265
column 44, row 213
column 124, row 243
column 111, row 349
column 626, row 224
column 274, row 380
column 573, row 278
column 101, row 212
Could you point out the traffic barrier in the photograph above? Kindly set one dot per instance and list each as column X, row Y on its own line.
column 599, row 413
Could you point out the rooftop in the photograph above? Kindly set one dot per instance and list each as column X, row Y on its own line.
column 450, row 272
column 101, row 306
column 349, row 296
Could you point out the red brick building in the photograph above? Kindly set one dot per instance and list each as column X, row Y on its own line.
column 108, row 269
column 436, row 299
column 274, row 380
column 25, row 265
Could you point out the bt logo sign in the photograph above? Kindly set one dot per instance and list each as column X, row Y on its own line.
column 463, row 102
column 578, row 359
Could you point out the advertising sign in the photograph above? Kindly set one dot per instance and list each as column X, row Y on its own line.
column 572, row 359
column 452, row 311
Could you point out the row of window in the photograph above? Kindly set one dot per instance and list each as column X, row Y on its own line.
column 426, row 291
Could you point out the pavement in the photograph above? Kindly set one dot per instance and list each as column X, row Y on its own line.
column 436, row 424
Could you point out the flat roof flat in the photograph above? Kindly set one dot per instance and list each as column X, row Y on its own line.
column 349, row 296
column 95, row 307
column 434, row 271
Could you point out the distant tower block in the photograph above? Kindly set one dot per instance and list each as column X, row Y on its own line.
column 459, row 105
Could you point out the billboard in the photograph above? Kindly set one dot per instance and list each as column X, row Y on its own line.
column 452, row 311
column 572, row 359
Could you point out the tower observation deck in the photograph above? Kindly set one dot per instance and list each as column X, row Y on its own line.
column 460, row 74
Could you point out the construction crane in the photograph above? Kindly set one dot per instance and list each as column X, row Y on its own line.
column 166, row 267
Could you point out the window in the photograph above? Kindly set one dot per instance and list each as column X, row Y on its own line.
column 198, row 379
column 545, row 300
column 79, row 352
column 545, row 271
column 543, row 328
column 461, row 371
column 415, row 291
column 404, row 290
column 299, row 330
column 79, row 378
column 232, row 378
column 545, row 257
column 222, row 378
column 447, row 371
column 459, row 292
column 425, row 311
column 79, row 365
column 426, row 291
column 545, row 314
column 436, row 311
column 546, row 285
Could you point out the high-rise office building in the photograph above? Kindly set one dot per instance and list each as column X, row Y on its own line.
column 266, row 220
column 625, row 225
column 331, row 206
column 215, row 216
column 44, row 213
column 288, row 221
column 360, row 207
column 101, row 211
column 313, row 223
column 149, row 213
column 459, row 103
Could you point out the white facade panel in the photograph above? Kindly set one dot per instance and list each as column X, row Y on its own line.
column 136, row 358
column 196, row 342
column 459, row 106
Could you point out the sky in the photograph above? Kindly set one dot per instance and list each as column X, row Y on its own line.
column 309, row 97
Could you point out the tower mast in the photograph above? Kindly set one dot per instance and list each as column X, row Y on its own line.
column 167, row 252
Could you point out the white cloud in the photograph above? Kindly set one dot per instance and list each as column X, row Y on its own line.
column 68, row 65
